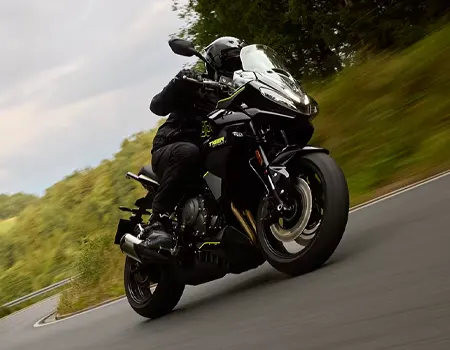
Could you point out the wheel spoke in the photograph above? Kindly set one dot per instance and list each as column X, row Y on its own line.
column 289, row 248
column 139, row 286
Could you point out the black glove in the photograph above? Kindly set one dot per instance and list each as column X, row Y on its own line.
column 188, row 73
column 184, row 89
column 178, row 94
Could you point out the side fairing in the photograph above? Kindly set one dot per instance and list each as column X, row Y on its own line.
column 223, row 117
column 215, row 184
column 219, row 151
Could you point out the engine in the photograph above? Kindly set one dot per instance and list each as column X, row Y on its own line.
column 198, row 217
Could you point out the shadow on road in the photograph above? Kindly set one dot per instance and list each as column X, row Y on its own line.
column 228, row 290
column 221, row 293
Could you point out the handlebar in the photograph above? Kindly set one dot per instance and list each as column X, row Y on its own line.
column 207, row 83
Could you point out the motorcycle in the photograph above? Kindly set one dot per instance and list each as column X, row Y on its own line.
column 266, row 195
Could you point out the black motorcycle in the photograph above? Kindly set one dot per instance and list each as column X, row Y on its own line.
column 266, row 195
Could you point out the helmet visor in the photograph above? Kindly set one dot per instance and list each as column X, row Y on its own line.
column 231, row 60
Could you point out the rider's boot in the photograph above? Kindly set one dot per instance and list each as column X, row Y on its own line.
column 158, row 234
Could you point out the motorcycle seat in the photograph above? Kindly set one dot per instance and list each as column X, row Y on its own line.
column 148, row 171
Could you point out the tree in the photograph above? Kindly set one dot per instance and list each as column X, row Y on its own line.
column 283, row 25
column 314, row 36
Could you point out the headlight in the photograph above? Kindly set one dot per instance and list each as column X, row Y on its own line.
column 278, row 98
column 306, row 100
column 299, row 98
column 292, row 95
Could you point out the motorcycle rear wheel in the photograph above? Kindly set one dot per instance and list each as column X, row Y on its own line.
column 325, row 229
column 148, row 298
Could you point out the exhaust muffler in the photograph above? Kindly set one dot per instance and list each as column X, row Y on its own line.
column 127, row 244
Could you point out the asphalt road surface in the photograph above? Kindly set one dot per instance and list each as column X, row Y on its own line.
column 386, row 287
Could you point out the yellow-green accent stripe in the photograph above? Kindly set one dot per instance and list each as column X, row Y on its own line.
column 212, row 243
column 232, row 96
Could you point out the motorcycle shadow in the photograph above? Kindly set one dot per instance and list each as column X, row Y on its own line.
column 227, row 291
column 198, row 298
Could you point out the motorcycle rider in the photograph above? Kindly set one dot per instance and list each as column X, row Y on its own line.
column 175, row 154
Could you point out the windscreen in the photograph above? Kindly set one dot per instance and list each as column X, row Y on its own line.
column 270, row 69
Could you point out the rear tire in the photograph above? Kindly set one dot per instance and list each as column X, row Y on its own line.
column 157, row 303
column 335, row 201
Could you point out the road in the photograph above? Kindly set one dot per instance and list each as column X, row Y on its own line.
column 386, row 287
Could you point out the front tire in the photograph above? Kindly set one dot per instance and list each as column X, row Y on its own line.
column 144, row 301
column 328, row 188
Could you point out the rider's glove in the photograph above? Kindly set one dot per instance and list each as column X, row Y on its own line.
column 183, row 88
column 189, row 73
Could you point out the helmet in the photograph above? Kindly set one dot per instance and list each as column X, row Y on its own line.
column 223, row 56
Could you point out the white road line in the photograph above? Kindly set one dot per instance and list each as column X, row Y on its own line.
column 40, row 324
column 399, row 191
column 352, row 210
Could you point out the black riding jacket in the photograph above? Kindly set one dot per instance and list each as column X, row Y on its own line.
column 188, row 106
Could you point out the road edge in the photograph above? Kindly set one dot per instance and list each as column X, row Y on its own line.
column 399, row 191
column 29, row 307
column 52, row 317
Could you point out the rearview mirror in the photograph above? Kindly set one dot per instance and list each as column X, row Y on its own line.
column 183, row 47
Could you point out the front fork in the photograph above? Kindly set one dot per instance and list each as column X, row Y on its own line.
column 275, row 179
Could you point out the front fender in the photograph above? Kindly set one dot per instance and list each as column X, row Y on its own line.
column 290, row 152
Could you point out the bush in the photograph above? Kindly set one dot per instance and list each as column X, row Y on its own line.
column 100, row 275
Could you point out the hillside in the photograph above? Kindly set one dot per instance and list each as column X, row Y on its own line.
column 54, row 229
column 12, row 205
column 6, row 225
column 386, row 121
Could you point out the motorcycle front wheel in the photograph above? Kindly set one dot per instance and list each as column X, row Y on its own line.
column 316, row 224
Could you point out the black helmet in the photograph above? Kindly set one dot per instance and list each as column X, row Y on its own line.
column 223, row 56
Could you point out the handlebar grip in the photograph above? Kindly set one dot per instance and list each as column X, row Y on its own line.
column 209, row 83
column 191, row 80
column 212, row 84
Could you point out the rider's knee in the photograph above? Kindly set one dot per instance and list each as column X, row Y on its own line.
column 188, row 153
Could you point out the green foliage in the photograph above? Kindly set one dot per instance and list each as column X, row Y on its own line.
column 100, row 269
column 6, row 248
column 6, row 225
column 388, row 119
column 49, row 234
column 12, row 205
column 315, row 36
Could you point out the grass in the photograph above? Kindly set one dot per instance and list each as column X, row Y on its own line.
column 387, row 121
column 6, row 225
